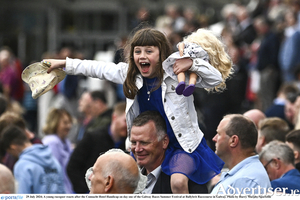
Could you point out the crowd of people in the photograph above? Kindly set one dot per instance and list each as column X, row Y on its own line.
column 245, row 137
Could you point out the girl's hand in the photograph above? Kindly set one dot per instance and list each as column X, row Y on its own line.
column 54, row 64
column 182, row 65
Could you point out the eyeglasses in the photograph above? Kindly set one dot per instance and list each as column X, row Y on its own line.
column 266, row 165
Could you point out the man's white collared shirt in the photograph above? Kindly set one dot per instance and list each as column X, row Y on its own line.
column 151, row 180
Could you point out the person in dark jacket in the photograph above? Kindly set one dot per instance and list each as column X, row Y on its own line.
column 93, row 144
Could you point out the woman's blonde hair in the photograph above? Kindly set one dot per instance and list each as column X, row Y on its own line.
column 215, row 48
column 144, row 37
column 53, row 118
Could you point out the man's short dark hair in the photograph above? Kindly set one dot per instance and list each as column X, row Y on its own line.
column 273, row 128
column 244, row 128
column 154, row 116
column 12, row 135
column 11, row 118
column 294, row 138
column 98, row 95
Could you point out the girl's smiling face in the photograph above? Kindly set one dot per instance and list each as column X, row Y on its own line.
column 146, row 59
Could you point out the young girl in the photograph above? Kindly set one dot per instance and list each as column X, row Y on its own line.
column 148, row 87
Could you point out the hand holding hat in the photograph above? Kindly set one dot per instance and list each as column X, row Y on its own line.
column 54, row 64
column 41, row 77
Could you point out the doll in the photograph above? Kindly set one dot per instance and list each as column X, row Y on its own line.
column 205, row 45
column 181, row 88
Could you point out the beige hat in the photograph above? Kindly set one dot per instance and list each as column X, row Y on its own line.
column 39, row 80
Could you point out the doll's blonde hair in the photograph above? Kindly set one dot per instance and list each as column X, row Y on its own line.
column 215, row 48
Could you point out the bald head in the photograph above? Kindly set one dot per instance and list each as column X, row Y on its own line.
column 7, row 181
column 114, row 172
column 255, row 115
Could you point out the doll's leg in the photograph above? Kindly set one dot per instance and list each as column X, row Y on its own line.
column 190, row 89
column 179, row 184
column 181, row 83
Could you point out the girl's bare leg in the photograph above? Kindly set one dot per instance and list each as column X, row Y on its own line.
column 179, row 184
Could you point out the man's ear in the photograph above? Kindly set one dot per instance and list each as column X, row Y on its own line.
column 263, row 141
column 109, row 182
column 165, row 141
column 113, row 116
column 234, row 141
column 297, row 155
column 13, row 147
column 277, row 163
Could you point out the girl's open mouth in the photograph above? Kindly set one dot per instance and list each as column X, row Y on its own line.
column 145, row 66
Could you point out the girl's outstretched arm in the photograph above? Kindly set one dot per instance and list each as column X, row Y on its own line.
column 96, row 69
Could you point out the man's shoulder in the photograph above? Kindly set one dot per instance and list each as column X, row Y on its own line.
column 101, row 121
column 100, row 132
column 292, row 175
column 24, row 167
column 290, row 180
column 252, row 168
column 249, row 171
column 162, row 185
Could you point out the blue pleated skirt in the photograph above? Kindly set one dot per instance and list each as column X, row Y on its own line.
column 199, row 166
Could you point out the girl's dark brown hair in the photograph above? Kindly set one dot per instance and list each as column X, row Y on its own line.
column 144, row 37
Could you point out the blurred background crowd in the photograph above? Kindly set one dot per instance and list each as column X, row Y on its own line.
column 262, row 37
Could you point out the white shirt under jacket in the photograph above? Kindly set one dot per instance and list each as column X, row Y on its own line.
column 179, row 109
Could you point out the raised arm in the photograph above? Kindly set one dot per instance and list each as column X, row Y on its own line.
column 96, row 69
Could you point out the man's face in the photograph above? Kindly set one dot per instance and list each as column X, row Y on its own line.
column 289, row 111
column 271, row 168
column 85, row 103
column 13, row 151
column 148, row 151
column 96, row 178
column 222, row 139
